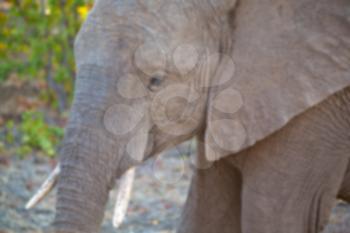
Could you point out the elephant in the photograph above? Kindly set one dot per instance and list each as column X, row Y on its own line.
column 263, row 85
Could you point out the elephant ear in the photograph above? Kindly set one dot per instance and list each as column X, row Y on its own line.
column 286, row 61
column 224, row 133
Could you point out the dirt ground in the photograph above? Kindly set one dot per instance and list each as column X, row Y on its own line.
column 159, row 192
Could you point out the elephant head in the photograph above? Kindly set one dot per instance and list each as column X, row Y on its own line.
column 143, row 74
column 152, row 74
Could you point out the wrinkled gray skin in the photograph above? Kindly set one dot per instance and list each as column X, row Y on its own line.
column 287, row 182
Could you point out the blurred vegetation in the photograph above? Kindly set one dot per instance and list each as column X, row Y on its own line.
column 36, row 50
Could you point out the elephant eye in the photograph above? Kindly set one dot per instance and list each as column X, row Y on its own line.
column 155, row 82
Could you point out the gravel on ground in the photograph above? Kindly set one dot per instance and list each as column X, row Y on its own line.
column 159, row 191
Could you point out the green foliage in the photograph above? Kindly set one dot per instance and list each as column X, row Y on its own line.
column 36, row 45
column 9, row 137
column 35, row 133
column 32, row 133
column 36, row 40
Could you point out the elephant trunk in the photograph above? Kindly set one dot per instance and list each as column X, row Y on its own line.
column 85, row 180
column 91, row 159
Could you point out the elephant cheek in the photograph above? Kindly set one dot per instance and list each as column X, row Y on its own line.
column 176, row 110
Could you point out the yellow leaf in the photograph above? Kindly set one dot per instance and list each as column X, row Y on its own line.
column 47, row 11
column 2, row 46
column 2, row 17
column 83, row 11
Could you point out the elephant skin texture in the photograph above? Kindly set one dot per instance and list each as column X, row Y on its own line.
column 287, row 182
column 262, row 84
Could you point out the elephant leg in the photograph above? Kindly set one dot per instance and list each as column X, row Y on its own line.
column 291, row 179
column 213, row 202
column 232, row 224
column 344, row 192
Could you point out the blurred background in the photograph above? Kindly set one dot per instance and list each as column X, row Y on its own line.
column 36, row 86
column 36, row 72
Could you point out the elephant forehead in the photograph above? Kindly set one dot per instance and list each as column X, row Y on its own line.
column 121, row 28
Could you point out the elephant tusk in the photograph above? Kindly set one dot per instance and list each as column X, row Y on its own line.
column 45, row 188
column 123, row 197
